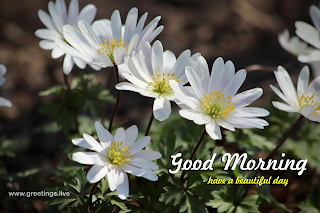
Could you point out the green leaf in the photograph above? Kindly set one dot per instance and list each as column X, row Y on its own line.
column 172, row 194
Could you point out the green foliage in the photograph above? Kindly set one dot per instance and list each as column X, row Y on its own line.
column 7, row 147
column 230, row 199
column 312, row 203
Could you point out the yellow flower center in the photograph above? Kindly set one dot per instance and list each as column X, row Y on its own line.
column 305, row 100
column 107, row 48
column 216, row 105
column 160, row 83
column 118, row 155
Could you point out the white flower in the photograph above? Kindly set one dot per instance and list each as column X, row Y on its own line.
column 3, row 101
column 305, row 100
column 151, row 69
column 310, row 35
column 116, row 156
column 55, row 21
column 106, row 43
column 211, row 100
column 293, row 45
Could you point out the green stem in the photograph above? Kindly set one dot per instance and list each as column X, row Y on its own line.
column 193, row 153
column 118, row 99
column 90, row 196
column 149, row 124
column 279, row 144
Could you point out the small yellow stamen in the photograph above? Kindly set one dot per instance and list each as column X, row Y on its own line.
column 304, row 100
column 107, row 47
column 216, row 105
column 160, row 83
column 118, row 155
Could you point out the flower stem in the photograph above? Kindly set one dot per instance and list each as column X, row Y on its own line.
column 269, row 69
column 279, row 144
column 75, row 110
column 149, row 124
column 118, row 99
column 90, row 196
column 193, row 153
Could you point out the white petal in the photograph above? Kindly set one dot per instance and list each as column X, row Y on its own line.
column 95, row 67
column 123, row 186
column 195, row 82
column 201, row 119
column 56, row 16
column 225, row 124
column 73, row 12
column 283, row 107
column 116, row 25
column 169, row 60
column 228, row 73
column 155, row 33
column 307, row 111
column 141, row 23
column 93, row 143
column 3, row 70
column 235, row 83
column 203, row 71
column 149, row 175
column 130, row 25
column 67, row 64
column 213, row 130
column 148, row 155
column 104, row 135
column 57, row 53
column 250, row 112
column 247, row 97
column 303, row 80
column 71, row 51
column 190, row 102
column 81, row 64
column 181, row 63
column 315, row 16
column 47, row 34
column 161, row 108
column 132, row 87
column 188, row 114
column 82, row 143
column 137, row 171
column 119, row 55
column 47, row 44
column 5, row 102
column 279, row 93
column 96, row 173
column 47, row 21
column 131, row 135
column 142, row 163
column 311, row 56
column 145, row 34
column 84, row 157
column 87, row 13
column 113, row 178
column 89, row 34
column 157, row 58
column 248, row 123
column 314, row 86
column 133, row 44
column 216, row 74
column 308, row 33
column 139, row 144
column 102, row 28
column 120, row 135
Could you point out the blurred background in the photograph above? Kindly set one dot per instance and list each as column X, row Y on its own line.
column 244, row 31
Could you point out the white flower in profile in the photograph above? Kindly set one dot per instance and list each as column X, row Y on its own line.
column 212, row 100
column 107, row 43
column 293, row 45
column 3, row 101
column 149, row 72
column 55, row 21
column 310, row 34
column 305, row 100
column 116, row 156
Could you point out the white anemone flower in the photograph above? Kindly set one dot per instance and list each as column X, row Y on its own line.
column 212, row 100
column 305, row 100
column 149, row 72
column 293, row 45
column 55, row 21
column 310, row 34
column 116, row 156
column 3, row 101
column 106, row 43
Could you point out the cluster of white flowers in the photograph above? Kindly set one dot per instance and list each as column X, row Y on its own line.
column 3, row 101
column 210, row 100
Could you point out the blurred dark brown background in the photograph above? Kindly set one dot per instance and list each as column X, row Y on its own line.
column 244, row 31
